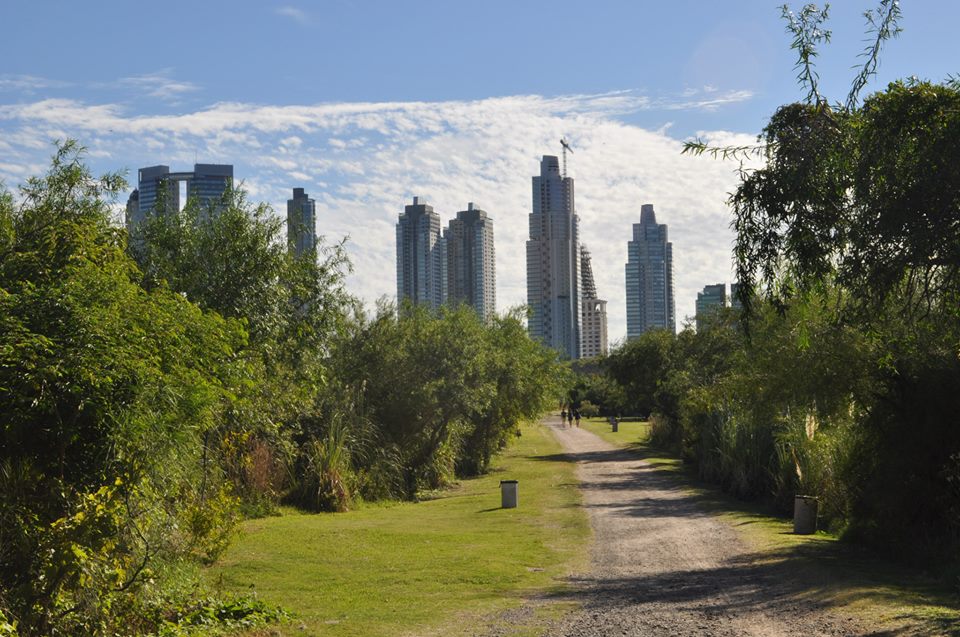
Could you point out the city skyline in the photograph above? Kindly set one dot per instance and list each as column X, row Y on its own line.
column 383, row 121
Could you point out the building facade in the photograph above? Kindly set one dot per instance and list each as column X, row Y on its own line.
column 649, row 277
column 421, row 256
column 593, row 312
column 302, row 224
column 553, row 262
column 735, row 297
column 711, row 298
column 158, row 187
column 471, row 261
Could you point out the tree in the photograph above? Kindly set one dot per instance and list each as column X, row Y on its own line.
column 105, row 391
column 639, row 367
column 862, row 202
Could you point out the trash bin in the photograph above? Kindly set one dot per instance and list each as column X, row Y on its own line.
column 615, row 425
column 508, row 494
column 804, row 515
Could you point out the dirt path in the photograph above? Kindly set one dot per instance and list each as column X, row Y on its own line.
column 663, row 566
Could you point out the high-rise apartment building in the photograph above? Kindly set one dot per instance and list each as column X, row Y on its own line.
column 553, row 262
column 593, row 312
column 302, row 224
column 649, row 277
column 421, row 256
column 735, row 297
column 471, row 269
column 711, row 298
column 206, row 184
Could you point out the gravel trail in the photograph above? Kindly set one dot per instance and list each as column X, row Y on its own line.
column 661, row 565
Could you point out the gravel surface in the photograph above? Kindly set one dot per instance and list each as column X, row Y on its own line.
column 661, row 565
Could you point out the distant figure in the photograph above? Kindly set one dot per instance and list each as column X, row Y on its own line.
column 563, row 417
column 570, row 416
column 576, row 414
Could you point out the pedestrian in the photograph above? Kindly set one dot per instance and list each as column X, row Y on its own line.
column 576, row 414
column 570, row 416
column 563, row 417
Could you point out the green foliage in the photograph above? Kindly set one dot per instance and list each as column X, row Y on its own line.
column 153, row 390
column 445, row 390
column 216, row 616
column 108, row 390
column 589, row 410
column 638, row 367
column 324, row 475
column 7, row 628
column 848, row 256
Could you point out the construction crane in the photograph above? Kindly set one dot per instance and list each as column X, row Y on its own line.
column 566, row 147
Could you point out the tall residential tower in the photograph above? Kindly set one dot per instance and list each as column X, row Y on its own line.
column 649, row 277
column 206, row 184
column 709, row 300
column 302, row 224
column 471, row 269
column 421, row 256
column 593, row 312
column 553, row 262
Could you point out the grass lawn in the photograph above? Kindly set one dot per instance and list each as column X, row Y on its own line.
column 840, row 574
column 433, row 567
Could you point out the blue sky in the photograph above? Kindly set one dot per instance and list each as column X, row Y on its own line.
column 366, row 104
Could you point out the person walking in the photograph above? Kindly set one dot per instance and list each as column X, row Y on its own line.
column 576, row 414
column 563, row 416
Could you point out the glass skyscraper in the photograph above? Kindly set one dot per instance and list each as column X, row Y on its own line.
column 553, row 262
column 649, row 277
column 421, row 256
column 302, row 224
column 471, row 269
column 206, row 184
column 711, row 298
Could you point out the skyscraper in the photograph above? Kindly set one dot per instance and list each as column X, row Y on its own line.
column 711, row 298
column 553, row 262
column 735, row 297
column 421, row 256
column 649, row 277
column 593, row 312
column 471, row 270
column 206, row 184
column 301, row 224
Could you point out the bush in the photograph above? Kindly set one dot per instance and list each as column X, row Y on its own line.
column 589, row 410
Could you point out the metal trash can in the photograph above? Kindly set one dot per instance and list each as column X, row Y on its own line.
column 508, row 494
column 805, row 514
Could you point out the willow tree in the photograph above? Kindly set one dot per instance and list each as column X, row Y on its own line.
column 862, row 198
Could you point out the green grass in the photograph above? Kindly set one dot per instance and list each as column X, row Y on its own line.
column 836, row 573
column 629, row 434
column 435, row 566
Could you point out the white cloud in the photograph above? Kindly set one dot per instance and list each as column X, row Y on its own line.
column 158, row 84
column 28, row 84
column 298, row 15
column 362, row 162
